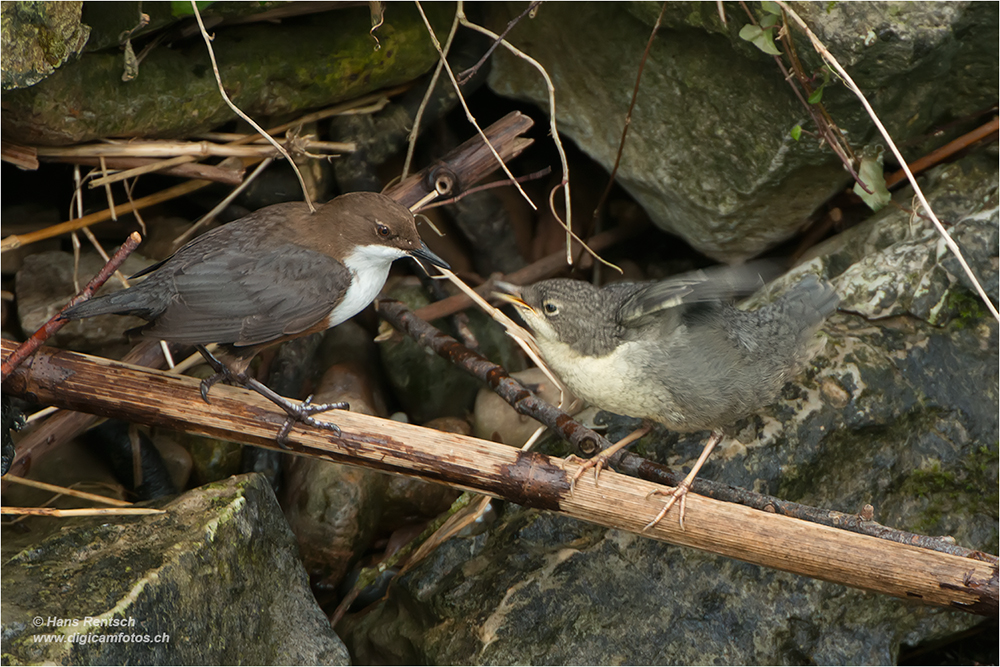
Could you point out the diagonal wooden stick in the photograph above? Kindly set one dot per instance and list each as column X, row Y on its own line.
column 112, row 389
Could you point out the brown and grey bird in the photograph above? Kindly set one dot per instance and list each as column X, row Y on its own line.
column 276, row 274
column 675, row 351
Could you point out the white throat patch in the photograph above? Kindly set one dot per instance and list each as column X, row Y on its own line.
column 369, row 267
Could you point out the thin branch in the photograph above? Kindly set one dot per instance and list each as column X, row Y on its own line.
column 496, row 377
column 411, row 144
column 631, row 107
column 29, row 346
column 127, row 167
column 239, row 112
column 198, row 149
column 464, row 77
column 488, row 186
column 546, row 267
column 461, row 98
column 946, row 151
column 107, row 189
column 524, row 339
column 96, row 511
column 554, row 131
column 64, row 491
column 368, row 104
column 820, row 117
column 17, row 240
column 950, row 242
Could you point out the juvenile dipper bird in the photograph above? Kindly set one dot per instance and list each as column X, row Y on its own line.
column 673, row 351
column 277, row 274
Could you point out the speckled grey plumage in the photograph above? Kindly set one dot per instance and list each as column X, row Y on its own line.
column 674, row 351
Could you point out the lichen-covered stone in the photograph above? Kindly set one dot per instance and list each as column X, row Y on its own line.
column 267, row 70
column 38, row 38
column 215, row 580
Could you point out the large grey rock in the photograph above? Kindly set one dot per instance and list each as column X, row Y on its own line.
column 215, row 580
column 709, row 155
column 897, row 409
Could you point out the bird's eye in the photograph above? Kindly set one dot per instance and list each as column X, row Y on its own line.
column 382, row 230
column 550, row 308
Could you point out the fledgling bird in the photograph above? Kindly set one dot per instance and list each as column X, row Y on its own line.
column 276, row 274
column 675, row 351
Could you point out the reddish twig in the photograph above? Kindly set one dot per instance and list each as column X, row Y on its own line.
column 464, row 77
column 496, row 377
column 56, row 323
column 949, row 149
column 816, row 111
column 628, row 116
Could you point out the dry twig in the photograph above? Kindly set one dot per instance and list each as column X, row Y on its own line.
column 468, row 113
column 64, row 491
column 412, row 143
column 239, row 112
column 96, row 511
column 631, row 108
column 950, row 242
column 567, row 224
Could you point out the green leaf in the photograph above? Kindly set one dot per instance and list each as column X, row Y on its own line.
column 796, row 132
column 770, row 7
column 872, row 176
column 181, row 8
column 768, row 21
column 762, row 39
column 816, row 96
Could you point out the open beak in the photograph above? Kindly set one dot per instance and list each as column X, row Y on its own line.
column 424, row 253
column 511, row 294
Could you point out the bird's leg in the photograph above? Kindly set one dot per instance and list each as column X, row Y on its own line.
column 680, row 491
column 297, row 412
column 599, row 460
column 222, row 372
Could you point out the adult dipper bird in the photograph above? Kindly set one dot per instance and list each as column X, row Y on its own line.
column 277, row 274
column 673, row 351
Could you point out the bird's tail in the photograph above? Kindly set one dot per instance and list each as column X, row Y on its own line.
column 808, row 303
column 132, row 301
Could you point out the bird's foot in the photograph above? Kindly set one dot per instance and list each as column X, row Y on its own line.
column 222, row 372
column 679, row 493
column 209, row 382
column 600, row 460
column 297, row 412
column 303, row 413
column 597, row 462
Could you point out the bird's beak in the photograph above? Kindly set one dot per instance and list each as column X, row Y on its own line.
column 510, row 293
column 423, row 252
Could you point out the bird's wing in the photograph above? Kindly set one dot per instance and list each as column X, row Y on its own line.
column 248, row 298
column 714, row 284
